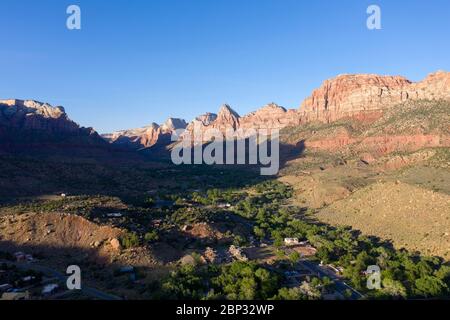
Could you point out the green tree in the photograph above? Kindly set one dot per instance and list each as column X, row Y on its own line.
column 294, row 257
column 130, row 240
column 289, row 294
column 259, row 232
column 394, row 288
column 151, row 236
column 430, row 286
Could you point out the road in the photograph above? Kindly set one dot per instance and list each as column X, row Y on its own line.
column 341, row 286
column 49, row 272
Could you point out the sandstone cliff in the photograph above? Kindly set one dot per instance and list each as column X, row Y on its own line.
column 368, row 95
column 148, row 136
column 362, row 97
column 32, row 123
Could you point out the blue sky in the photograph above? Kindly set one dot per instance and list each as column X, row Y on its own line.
column 135, row 62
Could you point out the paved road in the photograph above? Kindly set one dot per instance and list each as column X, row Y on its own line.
column 341, row 286
column 92, row 292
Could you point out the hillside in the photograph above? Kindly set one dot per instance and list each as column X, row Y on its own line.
column 388, row 178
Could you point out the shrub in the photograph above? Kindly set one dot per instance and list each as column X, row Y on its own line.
column 130, row 240
column 151, row 236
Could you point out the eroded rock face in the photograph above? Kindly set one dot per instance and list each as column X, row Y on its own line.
column 363, row 97
column 359, row 95
column 269, row 117
column 29, row 123
column 33, row 115
column 173, row 124
column 148, row 136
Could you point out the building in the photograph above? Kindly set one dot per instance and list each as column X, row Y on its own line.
column 291, row 241
column 114, row 215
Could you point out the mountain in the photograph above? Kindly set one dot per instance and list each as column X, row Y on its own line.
column 367, row 95
column 146, row 137
column 29, row 123
column 364, row 97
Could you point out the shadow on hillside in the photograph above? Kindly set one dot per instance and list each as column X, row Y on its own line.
column 97, row 271
column 114, row 171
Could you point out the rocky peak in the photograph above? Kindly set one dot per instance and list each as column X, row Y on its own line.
column 272, row 107
column 349, row 95
column 147, row 136
column 15, row 107
column 34, row 115
column 206, row 119
column 227, row 117
column 152, row 126
column 226, row 112
column 173, row 124
column 269, row 110
column 32, row 123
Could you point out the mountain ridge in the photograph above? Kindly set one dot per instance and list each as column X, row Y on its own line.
column 361, row 96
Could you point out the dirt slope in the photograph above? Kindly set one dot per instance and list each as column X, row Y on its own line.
column 412, row 217
column 48, row 233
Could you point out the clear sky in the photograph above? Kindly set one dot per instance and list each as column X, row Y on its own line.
column 135, row 62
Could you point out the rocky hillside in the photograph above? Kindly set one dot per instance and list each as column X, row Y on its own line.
column 29, row 123
column 406, row 127
column 363, row 97
column 146, row 137
column 367, row 95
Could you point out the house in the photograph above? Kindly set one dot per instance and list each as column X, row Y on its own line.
column 291, row 241
column 114, row 215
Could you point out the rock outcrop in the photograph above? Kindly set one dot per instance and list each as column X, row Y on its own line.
column 32, row 123
column 363, row 97
column 268, row 117
column 367, row 95
column 271, row 116
column 148, row 136
column 33, row 115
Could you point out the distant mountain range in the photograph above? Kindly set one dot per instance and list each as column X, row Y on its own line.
column 364, row 97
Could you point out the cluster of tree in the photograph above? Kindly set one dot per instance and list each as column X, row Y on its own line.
column 236, row 281
column 216, row 196
column 403, row 274
column 183, row 216
column 130, row 240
